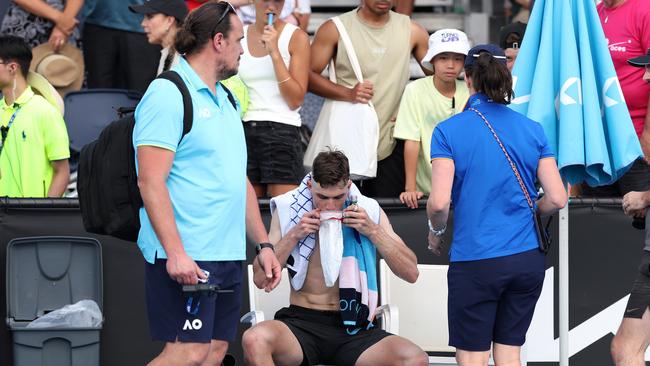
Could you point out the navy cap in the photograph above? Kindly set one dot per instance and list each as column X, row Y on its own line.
column 173, row 8
column 492, row 49
column 640, row 61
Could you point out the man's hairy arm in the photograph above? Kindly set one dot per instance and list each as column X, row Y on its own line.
column 399, row 257
column 419, row 44
column 266, row 259
column 154, row 166
column 323, row 50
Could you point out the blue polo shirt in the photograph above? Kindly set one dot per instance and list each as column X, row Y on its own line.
column 207, row 181
column 491, row 215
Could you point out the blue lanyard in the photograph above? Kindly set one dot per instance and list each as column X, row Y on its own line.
column 5, row 130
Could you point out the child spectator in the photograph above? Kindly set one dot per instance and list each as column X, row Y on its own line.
column 425, row 103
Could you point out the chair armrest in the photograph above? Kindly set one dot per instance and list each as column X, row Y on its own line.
column 252, row 317
column 389, row 315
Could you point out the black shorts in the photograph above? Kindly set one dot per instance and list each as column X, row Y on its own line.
column 640, row 296
column 274, row 153
column 323, row 337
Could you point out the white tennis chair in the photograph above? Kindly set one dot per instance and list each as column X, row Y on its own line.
column 263, row 304
column 418, row 311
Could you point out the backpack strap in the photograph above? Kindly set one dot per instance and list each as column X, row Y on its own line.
column 188, row 109
column 231, row 98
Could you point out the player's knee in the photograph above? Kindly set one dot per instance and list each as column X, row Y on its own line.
column 420, row 358
column 218, row 351
column 627, row 348
column 413, row 356
column 255, row 341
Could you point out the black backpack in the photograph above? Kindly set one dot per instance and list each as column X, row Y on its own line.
column 107, row 182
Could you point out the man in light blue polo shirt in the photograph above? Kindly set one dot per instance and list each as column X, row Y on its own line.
column 198, row 204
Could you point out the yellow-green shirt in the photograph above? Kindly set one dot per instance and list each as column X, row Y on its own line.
column 37, row 136
column 422, row 107
column 238, row 88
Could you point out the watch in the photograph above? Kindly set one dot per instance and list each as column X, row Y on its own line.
column 435, row 232
column 260, row 246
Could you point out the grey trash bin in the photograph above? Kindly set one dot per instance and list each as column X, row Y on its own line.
column 45, row 274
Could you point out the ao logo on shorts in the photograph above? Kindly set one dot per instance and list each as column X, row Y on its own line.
column 195, row 324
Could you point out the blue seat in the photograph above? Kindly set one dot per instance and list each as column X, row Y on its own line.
column 88, row 111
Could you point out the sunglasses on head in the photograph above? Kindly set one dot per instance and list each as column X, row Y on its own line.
column 227, row 9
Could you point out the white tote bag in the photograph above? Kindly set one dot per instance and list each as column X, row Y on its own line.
column 350, row 127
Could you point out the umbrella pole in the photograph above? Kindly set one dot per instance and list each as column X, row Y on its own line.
column 563, row 264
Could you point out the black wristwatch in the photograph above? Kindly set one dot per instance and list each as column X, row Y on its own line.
column 260, row 246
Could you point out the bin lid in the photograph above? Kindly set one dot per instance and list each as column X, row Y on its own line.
column 48, row 272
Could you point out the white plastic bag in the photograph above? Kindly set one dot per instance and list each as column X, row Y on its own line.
column 330, row 236
column 82, row 314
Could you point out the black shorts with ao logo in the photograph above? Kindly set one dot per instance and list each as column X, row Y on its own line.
column 323, row 337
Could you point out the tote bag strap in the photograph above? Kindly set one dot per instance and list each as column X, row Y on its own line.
column 352, row 55
column 347, row 42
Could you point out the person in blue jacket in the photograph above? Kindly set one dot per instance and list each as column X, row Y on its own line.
column 496, row 269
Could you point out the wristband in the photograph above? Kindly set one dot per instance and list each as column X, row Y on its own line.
column 435, row 232
column 260, row 246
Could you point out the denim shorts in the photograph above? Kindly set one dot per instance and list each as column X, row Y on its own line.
column 209, row 317
column 493, row 300
column 275, row 153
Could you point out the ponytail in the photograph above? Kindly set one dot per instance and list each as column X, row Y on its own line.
column 490, row 76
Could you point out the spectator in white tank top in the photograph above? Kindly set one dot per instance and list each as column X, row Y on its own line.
column 275, row 69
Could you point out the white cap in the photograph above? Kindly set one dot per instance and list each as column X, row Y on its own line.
column 445, row 40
